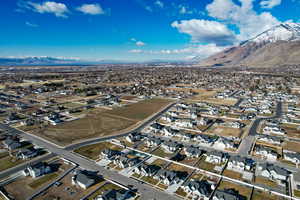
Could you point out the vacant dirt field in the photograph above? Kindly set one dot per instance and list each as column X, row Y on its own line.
column 140, row 110
column 102, row 123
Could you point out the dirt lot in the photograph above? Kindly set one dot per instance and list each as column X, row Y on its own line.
column 66, row 190
column 101, row 123
column 141, row 110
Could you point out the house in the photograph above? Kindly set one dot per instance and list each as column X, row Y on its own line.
column 113, row 194
column 204, row 121
column 274, row 172
column 223, row 143
column 156, row 127
column 269, row 139
column 37, row 170
column 83, row 179
column 146, row 170
column 237, row 124
column 292, row 157
column 266, row 152
column 169, row 132
column 216, row 157
column 12, row 143
column 273, row 130
column 191, row 151
column 168, row 177
column 123, row 161
column 186, row 136
column 26, row 153
column 168, row 118
column 227, row 194
column 153, row 141
column 184, row 122
column 198, row 189
column 109, row 154
column 204, row 139
column 238, row 163
column 170, row 146
column 134, row 137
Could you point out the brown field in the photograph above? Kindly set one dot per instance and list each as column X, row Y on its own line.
column 258, row 195
column 140, row 110
column 226, row 131
column 243, row 190
column 292, row 146
column 99, row 122
column 179, row 168
column 228, row 102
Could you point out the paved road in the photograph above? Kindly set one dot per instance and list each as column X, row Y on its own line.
column 147, row 192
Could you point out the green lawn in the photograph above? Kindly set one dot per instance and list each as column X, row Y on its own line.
column 40, row 181
column 93, row 151
column 7, row 162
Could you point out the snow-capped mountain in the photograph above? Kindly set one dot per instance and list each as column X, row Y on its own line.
column 281, row 32
column 277, row 46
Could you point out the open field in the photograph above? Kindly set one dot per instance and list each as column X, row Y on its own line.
column 243, row 190
column 102, row 122
column 140, row 110
column 93, row 151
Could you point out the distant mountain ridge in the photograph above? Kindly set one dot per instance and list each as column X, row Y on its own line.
column 277, row 46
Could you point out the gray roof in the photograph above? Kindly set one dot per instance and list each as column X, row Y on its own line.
column 278, row 170
column 202, row 186
column 84, row 178
column 228, row 195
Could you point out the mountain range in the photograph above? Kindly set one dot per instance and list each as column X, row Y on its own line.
column 280, row 45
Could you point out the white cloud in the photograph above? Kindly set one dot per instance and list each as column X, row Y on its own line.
column 58, row 9
column 135, row 51
column 140, row 43
column 205, row 31
column 201, row 51
column 31, row 24
column 242, row 16
column 91, row 9
column 159, row 4
column 268, row 4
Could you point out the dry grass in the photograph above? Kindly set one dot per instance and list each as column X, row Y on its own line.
column 232, row 174
column 226, row 131
column 140, row 110
column 264, row 181
column 292, row 146
column 93, row 151
column 99, row 123
column 260, row 195
column 243, row 190
column 179, row 168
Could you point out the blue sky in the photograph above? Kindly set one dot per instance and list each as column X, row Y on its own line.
column 135, row 30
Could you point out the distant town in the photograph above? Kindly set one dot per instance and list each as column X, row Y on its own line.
column 163, row 131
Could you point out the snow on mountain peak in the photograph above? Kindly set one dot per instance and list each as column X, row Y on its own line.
column 285, row 31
